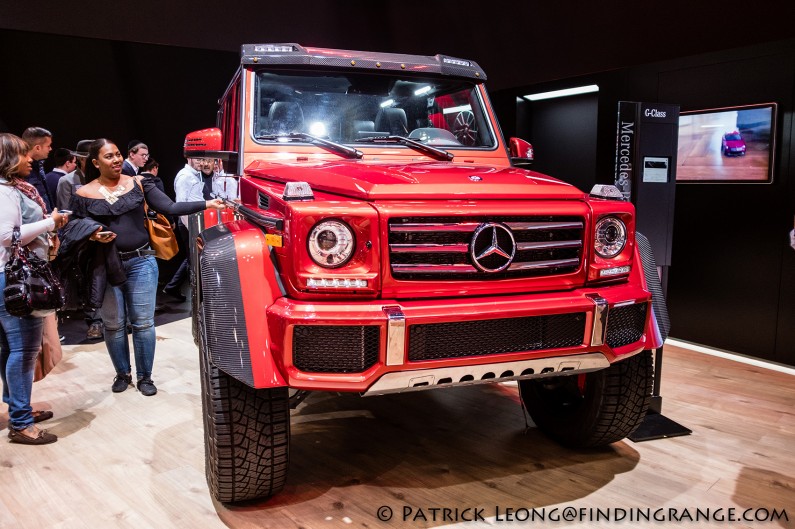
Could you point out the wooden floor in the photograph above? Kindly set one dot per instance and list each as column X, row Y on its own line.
column 124, row 460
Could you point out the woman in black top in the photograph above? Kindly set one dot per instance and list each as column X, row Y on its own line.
column 116, row 202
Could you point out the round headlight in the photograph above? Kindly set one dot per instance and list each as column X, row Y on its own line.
column 331, row 243
column 611, row 236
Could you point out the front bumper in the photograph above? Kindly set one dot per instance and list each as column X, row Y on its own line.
column 378, row 347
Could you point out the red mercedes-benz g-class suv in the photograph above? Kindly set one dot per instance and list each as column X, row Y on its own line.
column 383, row 241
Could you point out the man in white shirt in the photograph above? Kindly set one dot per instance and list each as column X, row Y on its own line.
column 188, row 187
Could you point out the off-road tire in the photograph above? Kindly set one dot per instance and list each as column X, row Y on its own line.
column 246, row 436
column 593, row 409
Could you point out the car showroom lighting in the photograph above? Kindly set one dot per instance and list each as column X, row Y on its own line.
column 423, row 90
column 563, row 93
column 453, row 110
column 388, row 103
column 318, row 128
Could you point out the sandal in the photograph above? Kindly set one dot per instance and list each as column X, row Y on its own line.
column 42, row 438
column 41, row 415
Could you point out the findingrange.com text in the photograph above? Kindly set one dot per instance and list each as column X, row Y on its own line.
column 406, row 513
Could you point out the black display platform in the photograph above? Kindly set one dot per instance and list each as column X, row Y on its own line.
column 658, row 426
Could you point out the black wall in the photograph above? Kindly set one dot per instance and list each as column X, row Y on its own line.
column 564, row 139
column 87, row 88
column 732, row 276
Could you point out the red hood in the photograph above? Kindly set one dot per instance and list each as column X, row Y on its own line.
column 419, row 180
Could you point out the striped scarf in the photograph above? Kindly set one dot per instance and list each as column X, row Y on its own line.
column 29, row 191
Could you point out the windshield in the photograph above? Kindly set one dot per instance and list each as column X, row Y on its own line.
column 350, row 107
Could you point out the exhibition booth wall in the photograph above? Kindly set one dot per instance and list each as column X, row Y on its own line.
column 732, row 277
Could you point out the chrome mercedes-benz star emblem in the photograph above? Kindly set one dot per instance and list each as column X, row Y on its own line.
column 492, row 248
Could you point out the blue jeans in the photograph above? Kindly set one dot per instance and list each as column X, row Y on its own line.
column 134, row 300
column 20, row 342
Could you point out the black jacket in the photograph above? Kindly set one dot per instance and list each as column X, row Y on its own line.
column 84, row 266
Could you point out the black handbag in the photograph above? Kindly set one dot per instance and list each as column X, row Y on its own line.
column 32, row 289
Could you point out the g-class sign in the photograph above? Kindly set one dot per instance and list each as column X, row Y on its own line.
column 657, row 113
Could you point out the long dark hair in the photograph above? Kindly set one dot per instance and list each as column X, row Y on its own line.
column 91, row 172
column 12, row 148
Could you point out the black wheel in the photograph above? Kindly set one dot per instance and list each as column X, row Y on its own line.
column 592, row 409
column 465, row 129
column 246, row 436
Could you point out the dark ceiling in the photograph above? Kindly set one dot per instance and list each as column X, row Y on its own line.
column 517, row 43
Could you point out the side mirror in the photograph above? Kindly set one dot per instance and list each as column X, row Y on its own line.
column 206, row 143
column 521, row 152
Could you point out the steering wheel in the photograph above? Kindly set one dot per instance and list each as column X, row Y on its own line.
column 465, row 129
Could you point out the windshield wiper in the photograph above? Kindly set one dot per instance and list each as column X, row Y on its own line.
column 348, row 152
column 439, row 154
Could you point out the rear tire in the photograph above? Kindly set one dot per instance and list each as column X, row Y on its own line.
column 246, row 436
column 592, row 409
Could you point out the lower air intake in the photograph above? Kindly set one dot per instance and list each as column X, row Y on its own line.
column 335, row 348
column 625, row 324
column 490, row 337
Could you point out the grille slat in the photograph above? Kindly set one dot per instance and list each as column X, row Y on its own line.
column 519, row 226
column 489, row 337
column 428, row 248
column 436, row 248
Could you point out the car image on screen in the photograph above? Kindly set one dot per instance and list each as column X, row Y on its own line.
column 732, row 144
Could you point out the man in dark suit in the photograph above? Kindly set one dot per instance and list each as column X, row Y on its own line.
column 40, row 142
column 137, row 154
column 65, row 162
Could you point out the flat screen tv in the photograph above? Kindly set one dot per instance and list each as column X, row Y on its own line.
column 729, row 145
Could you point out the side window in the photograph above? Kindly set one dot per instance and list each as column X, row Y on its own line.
column 229, row 119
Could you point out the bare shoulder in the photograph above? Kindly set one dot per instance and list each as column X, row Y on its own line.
column 90, row 190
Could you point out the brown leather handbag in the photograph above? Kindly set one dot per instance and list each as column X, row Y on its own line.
column 161, row 235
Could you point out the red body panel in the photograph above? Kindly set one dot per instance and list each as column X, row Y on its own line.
column 259, row 289
column 368, row 180
column 286, row 313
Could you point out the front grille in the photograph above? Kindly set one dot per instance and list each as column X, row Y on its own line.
column 436, row 341
column 433, row 248
column 335, row 348
column 625, row 324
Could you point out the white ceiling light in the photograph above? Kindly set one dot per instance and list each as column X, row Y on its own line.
column 563, row 93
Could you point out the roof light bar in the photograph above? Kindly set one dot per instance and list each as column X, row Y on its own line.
column 274, row 48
